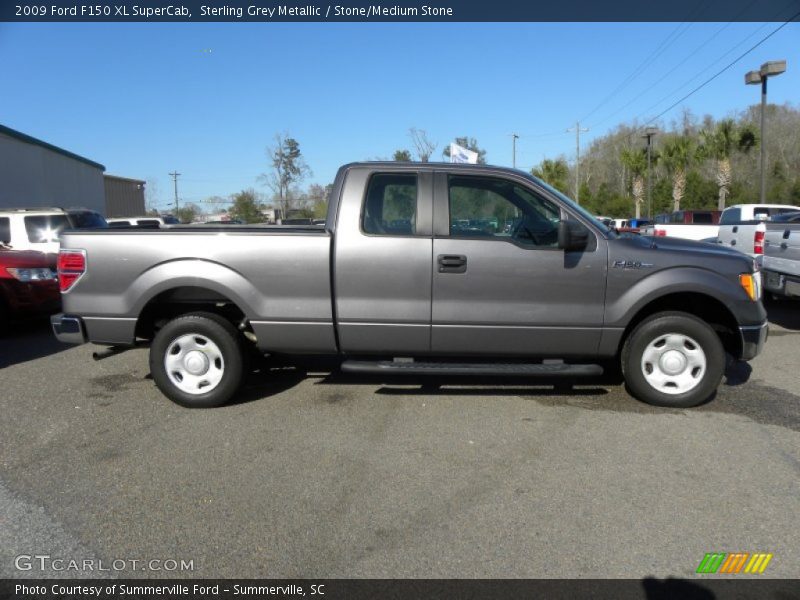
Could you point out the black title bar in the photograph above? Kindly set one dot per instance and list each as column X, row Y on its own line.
column 427, row 11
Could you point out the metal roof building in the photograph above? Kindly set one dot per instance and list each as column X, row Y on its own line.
column 34, row 173
column 124, row 196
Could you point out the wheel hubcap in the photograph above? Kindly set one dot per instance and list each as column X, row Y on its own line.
column 673, row 363
column 194, row 363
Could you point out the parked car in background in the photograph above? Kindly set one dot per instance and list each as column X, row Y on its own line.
column 395, row 284
column 700, row 225
column 634, row 225
column 28, row 285
column 38, row 228
column 743, row 227
column 607, row 221
column 781, row 262
column 148, row 221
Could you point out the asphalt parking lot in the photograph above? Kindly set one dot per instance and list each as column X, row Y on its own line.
column 317, row 474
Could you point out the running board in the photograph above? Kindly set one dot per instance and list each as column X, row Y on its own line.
column 498, row 369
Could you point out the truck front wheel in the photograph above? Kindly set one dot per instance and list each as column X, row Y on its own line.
column 197, row 360
column 673, row 359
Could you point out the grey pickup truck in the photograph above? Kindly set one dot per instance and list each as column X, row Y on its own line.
column 421, row 269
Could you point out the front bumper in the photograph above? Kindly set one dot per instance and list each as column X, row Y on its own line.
column 753, row 338
column 68, row 329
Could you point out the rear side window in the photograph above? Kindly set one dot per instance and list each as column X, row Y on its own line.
column 703, row 218
column 86, row 219
column 45, row 228
column 5, row 230
column 730, row 216
column 390, row 207
column 148, row 223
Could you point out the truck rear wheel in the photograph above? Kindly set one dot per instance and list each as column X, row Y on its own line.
column 673, row 359
column 197, row 360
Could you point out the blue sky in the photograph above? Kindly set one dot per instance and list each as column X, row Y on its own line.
column 207, row 99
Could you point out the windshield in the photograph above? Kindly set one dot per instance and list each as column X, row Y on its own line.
column 576, row 207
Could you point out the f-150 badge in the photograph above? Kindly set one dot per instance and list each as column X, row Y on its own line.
column 631, row 264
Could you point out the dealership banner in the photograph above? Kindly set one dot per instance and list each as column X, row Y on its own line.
column 427, row 10
column 459, row 154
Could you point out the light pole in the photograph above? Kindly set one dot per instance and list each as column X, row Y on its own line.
column 768, row 69
column 649, row 133
column 514, row 138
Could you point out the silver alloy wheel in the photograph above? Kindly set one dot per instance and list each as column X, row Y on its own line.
column 673, row 363
column 194, row 363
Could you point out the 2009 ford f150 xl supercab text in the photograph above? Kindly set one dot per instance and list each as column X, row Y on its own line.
column 421, row 269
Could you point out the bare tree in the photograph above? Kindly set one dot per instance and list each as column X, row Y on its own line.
column 422, row 143
column 151, row 196
column 288, row 168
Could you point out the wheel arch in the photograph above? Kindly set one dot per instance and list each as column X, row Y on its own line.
column 699, row 304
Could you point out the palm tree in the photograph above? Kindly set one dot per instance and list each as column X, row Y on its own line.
column 554, row 172
column 720, row 144
column 636, row 162
column 678, row 153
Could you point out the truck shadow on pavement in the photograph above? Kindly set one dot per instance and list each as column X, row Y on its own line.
column 28, row 340
column 784, row 313
column 756, row 401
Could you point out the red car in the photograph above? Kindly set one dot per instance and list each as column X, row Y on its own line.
column 28, row 285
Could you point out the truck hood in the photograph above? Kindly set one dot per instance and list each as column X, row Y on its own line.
column 690, row 249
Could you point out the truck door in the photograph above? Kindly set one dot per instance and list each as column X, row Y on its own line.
column 501, row 285
column 382, row 261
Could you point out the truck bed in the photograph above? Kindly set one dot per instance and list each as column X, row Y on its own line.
column 278, row 275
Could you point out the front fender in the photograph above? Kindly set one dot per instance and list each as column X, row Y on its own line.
column 625, row 297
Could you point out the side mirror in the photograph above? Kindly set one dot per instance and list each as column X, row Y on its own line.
column 572, row 236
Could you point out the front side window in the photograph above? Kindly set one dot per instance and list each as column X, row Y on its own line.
column 390, row 207
column 45, row 228
column 492, row 208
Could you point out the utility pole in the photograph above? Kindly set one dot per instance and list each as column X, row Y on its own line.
column 174, row 176
column 649, row 133
column 514, row 138
column 578, row 132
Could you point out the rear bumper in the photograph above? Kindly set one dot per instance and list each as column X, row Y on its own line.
column 753, row 339
column 781, row 283
column 68, row 329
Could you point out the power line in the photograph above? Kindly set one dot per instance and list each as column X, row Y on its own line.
column 728, row 66
column 660, row 49
column 650, row 87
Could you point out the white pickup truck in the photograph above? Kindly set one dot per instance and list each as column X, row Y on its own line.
column 698, row 225
column 781, row 262
column 743, row 227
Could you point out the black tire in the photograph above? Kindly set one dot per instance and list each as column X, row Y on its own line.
column 649, row 331
column 222, row 333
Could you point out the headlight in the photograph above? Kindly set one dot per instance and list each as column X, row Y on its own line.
column 31, row 274
column 751, row 283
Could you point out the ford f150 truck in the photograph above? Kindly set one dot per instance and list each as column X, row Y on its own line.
column 743, row 227
column 421, row 269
